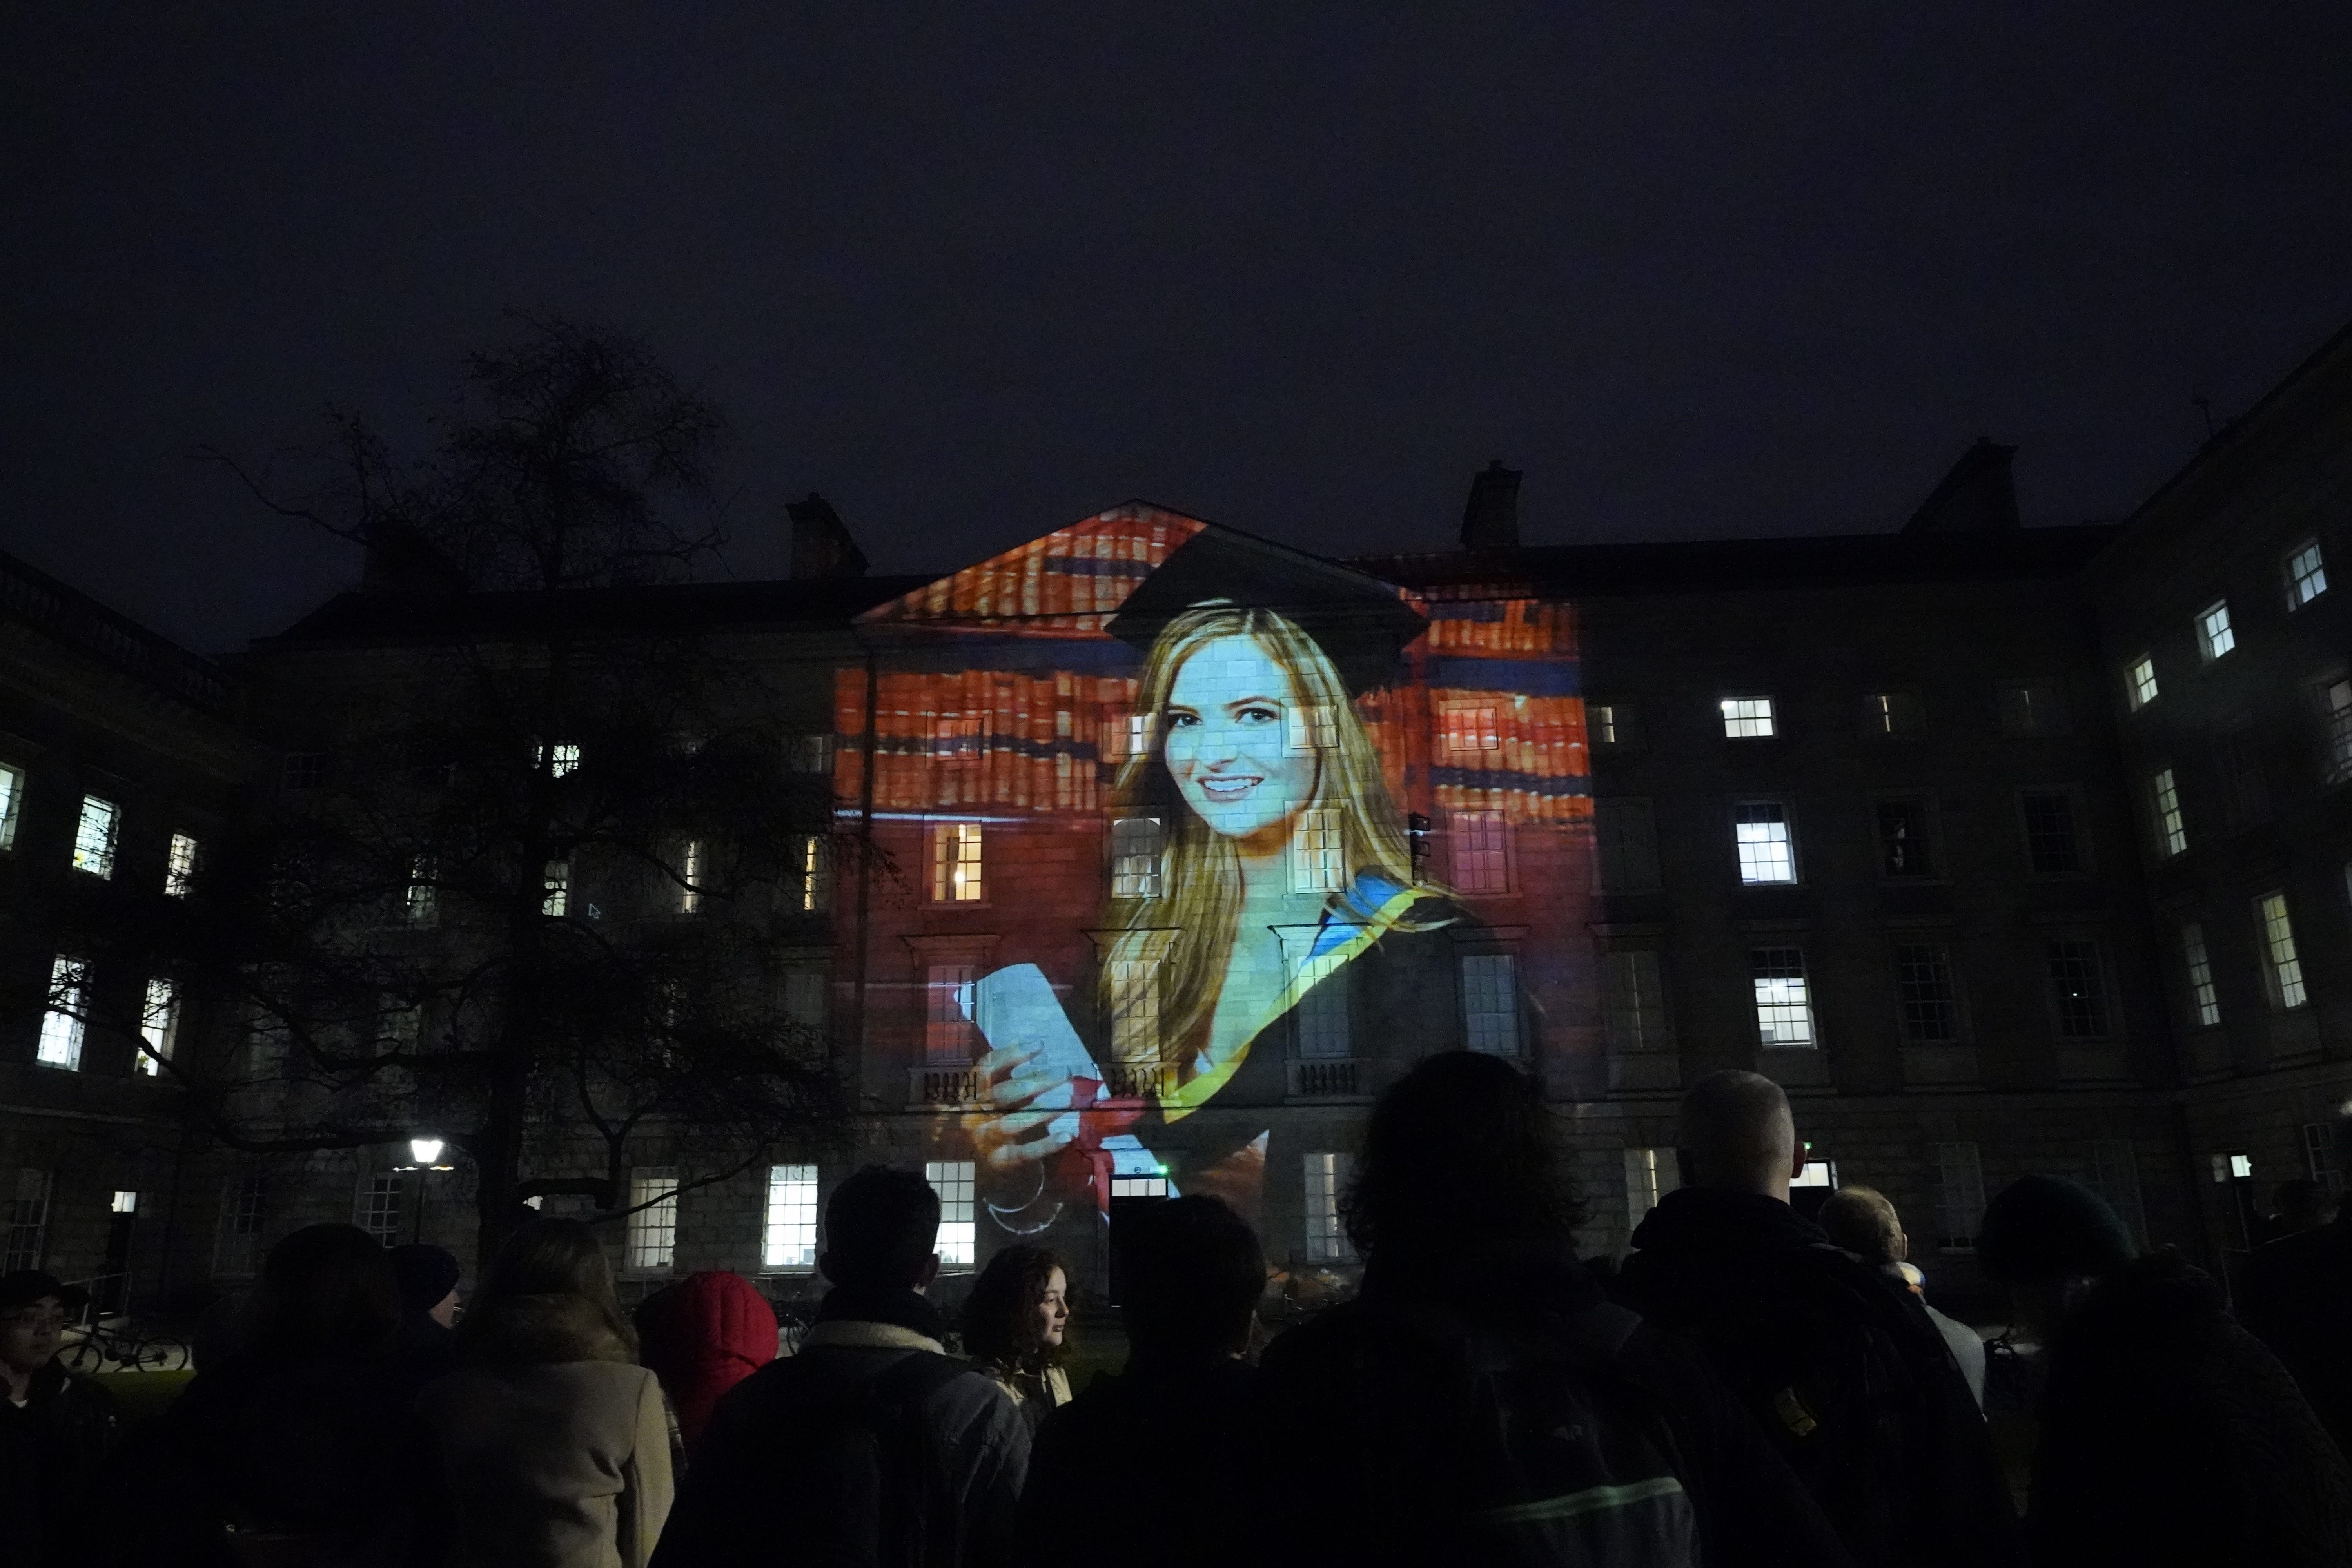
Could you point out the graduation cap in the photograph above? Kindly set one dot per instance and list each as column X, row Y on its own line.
column 1359, row 622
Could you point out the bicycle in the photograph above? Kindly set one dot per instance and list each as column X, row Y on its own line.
column 126, row 1347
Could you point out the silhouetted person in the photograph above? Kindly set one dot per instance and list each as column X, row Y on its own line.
column 300, row 1447
column 1014, row 1324
column 1839, row 1363
column 57, row 1429
column 1136, row 1469
column 553, row 1441
column 425, row 1346
column 2169, row 1438
column 1481, row 1401
column 870, row 1446
column 2295, row 1295
column 704, row 1335
column 1864, row 1222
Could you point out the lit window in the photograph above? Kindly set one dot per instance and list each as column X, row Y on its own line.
column 1126, row 735
column 2201, row 990
column 1327, row 1186
column 807, row 988
column 1650, row 1174
column 2320, row 1155
column 1625, row 833
column 2278, row 942
column 1480, row 842
column 788, row 1230
column 159, row 1024
column 2051, row 846
column 1891, row 714
column 422, row 903
column 812, row 754
column 956, row 740
column 1634, row 1003
column 957, row 870
column 653, row 1220
column 959, row 1244
column 1960, row 1196
column 1784, row 1009
column 29, row 1221
column 2171, row 831
column 1747, row 718
column 813, row 871
column 304, row 770
column 94, row 837
column 2336, row 729
column 1312, row 727
column 12, row 805
column 2032, row 707
column 1471, row 729
column 692, row 865
column 123, row 1203
column 2139, row 682
column 948, row 1002
column 1135, row 850
column 1135, row 1001
column 62, row 1021
column 1903, row 847
column 2214, row 637
column 1929, row 1002
column 1767, row 852
column 1614, row 725
column 180, row 867
column 555, row 883
column 1490, row 1003
column 1322, row 1017
column 237, row 1243
column 2306, row 574
column 2078, row 989
column 379, row 1208
column 560, row 759
column 1315, row 852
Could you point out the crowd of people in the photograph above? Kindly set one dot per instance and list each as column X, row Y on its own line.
column 1752, row 1387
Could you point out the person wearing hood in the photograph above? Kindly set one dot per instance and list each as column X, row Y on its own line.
column 1480, row 1400
column 702, row 1336
column 553, row 1443
column 1838, row 1361
column 2169, row 1438
column 425, row 1346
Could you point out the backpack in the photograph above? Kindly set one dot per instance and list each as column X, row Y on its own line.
column 1517, row 1448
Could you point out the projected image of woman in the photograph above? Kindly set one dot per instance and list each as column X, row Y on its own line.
column 1282, row 919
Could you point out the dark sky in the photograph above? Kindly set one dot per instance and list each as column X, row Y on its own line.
column 976, row 269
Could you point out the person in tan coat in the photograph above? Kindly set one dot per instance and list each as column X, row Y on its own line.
column 553, row 1444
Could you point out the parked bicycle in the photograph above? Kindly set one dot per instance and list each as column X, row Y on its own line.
column 125, row 1347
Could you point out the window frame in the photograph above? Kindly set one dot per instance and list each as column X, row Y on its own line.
column 790, row 1188
column 1619, row 727
column 2102, row 998
column 1325, row 1175
column 1931, row 838
column 14, row 781
column 649, row 1237
column 1514, row 1025
column 946, row 879
column 1611, row 815
column 2141, row 686
column 1622, row 981
column 1955, row 999
column 2197, row 970
column 1138, row 872
column 1895, row 713
column 2019, row 718
column 2284, row 978
column 65, row 1015
column 97, row 860
column 2215, row 643
column 956, row 1182
column 1769, row 718
column 2071, row 795
column 2296, row 596
column 1758, row 1002
column 1462, row 828
column 1788, row 825
column 2170, row 820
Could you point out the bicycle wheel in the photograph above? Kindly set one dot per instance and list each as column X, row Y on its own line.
column 84, row 1355
column 158, row 1352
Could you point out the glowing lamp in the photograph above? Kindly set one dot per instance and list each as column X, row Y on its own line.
column 424, row 1150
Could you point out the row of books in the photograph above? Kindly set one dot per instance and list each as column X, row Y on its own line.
column 1067, row 581
column 1513, row 627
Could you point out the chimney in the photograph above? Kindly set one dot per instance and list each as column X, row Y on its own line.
column 1491, row 519
column 1977, row 497
column 822, row 547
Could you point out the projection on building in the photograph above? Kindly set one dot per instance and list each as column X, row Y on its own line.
column 1195, row 843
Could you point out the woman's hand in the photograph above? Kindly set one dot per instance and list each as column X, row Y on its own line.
column 1013, row 1138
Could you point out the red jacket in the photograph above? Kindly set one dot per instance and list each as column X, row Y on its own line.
column 703, row 1336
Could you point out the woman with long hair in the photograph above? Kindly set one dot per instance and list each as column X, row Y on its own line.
column 1015, row 1324
column 553, row 1443
column 1281, row 902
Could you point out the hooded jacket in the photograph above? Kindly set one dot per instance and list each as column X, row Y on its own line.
column 702, row 1337
column 2169, row 1435
column 1839, row 1365
column 553, row 1443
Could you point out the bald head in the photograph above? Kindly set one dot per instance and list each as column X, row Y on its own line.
column 1740, row 1133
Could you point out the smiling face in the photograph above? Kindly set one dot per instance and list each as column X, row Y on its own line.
column 1228, row 743
column 1052, row 1318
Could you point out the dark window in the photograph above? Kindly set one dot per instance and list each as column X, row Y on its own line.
column 2078, row 990
column 2051, row 845
column 2250, row 790
column 1892, row 713
column 2033, row 708
column 1904, row 849
column 1922, row 985
column 1612, row 726
column 305, row 770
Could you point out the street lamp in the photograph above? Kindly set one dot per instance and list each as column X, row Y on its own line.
column 427, row 1152
column 425, row 1158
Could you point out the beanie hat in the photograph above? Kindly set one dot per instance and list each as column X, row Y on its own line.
column 2047, row 1228
column 426, row 1275
column 25, row 1286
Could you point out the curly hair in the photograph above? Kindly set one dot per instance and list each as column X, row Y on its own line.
column 1459, row 1154
column 998, row 1314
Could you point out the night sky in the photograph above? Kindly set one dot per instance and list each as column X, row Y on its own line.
column 974, row 271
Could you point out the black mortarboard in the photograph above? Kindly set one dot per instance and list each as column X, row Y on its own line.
column 1359, row 622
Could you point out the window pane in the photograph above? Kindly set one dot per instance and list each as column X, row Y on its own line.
column 2139, row 682
column 62, row 1021
column 788, row 1233
column 2201, row 992
column 1626, row 836
column 956, row 863
column 1135, row 1019
column 2336, row 731
column 807, row 988
column 2051, row 847
column 1960, row 1196
column 2214, row 637
column 422, row 903
column 555, row 884
column 1311, row 727
column 1327, row 1185
column 948, row 993
column 1480, row 851
column 2078, row 989
column 1784, row 1009
column 1650, row 1174
column 813, row 871
column 180, row 867
column 380, row 1207
column 1768, row 853
column 959, row 1244
column 1903, row 839
column 2114, row 1174
column 1635, row 1003
column 237, row 1241
column 1613, row 726
column 94, row 834
column 29, row 1221
column 1135, row 857
column 159, row 1024
column 2278, row 942
column 2307, row 576
column 1469, row 728
column 12, row 803
column 1323, row 1014
column 1315, row 852
column 2032, row 707
column 2171, row 829
column 1490, row 1003
column 1745, row 718
column 653, row 1230
column 1929, row 1002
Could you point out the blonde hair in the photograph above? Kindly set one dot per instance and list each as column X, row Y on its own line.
column 1189, row 929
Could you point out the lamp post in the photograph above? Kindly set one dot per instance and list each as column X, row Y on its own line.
column 425, row 1158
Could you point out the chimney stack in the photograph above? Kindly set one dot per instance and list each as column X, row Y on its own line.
column 822, row 547
column 1977, row 497
column 1491, row 519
